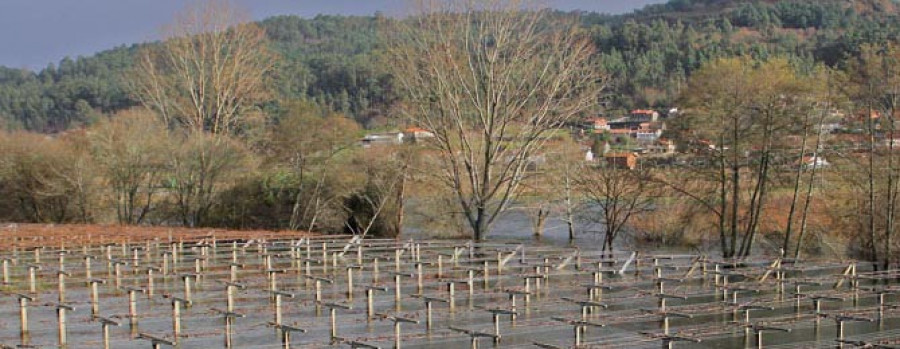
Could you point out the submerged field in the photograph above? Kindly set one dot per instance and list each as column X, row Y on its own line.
column 206, row 288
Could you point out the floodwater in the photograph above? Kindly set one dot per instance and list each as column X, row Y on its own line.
column 632, row 319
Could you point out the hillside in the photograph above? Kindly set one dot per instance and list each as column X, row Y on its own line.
column 332, row 60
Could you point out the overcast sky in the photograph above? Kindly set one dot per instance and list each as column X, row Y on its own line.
column 34, row 33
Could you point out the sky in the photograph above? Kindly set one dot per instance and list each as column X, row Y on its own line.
column 34, row 33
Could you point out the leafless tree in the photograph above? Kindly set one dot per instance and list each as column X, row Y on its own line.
column 873, row 83
column 744, row 109
column 618, row 194
column 569, row 165
column 383, row 175
column 551, row 190
column 208, row 71
column 491, row 79
column 130, row 149
column 310, row 157
column 49, row 180
column 199, row 169
column 819, row 111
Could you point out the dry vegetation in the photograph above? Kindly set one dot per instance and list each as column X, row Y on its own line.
column 62, row 236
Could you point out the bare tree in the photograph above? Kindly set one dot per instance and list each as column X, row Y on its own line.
column 130, row 150
column 745, row 109
column 491, row 80
column 537, row 198
column 75, row 174
column 550, row 190
column 207, row 72
column 873, row 83
column 618, row 195
column 198, row 169
column 383, row 174
column 310, row 156
column 823, row 108
column 804, row 217
column 567, row 169
column 50, row 180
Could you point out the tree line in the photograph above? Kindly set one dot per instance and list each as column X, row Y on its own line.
column 333, row 61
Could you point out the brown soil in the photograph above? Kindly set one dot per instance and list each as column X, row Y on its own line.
column 73, row 235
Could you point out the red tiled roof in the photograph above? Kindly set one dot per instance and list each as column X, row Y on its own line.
column 620, row 155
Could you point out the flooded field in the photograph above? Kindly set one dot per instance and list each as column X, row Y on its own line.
column 282, row 290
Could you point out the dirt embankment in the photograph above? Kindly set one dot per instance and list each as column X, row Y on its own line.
column 71, row 235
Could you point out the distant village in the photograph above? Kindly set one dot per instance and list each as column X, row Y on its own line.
column 638, row 139
column 619, row 141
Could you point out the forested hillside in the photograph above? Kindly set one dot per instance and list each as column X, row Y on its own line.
column 333, row 60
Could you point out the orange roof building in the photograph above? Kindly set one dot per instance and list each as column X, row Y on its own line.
column 623, row 160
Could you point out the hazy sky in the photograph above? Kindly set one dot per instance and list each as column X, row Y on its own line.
column 34, row 33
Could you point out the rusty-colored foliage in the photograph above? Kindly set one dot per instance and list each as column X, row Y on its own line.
column 76, row 235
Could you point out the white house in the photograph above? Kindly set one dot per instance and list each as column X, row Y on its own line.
column 416, row 133
column 644, row 115
column 811, row 162
column 597, row 124
column 648, row 136
column 382, row 139
column 662, row 146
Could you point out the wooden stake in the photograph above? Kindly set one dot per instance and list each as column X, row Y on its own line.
column 104, row 328
column 176, row 316
column 61, row 280
column 95, row 296
column 61, row 321
column 23, row 316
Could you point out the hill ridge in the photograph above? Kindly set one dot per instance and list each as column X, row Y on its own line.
column 332, row 60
